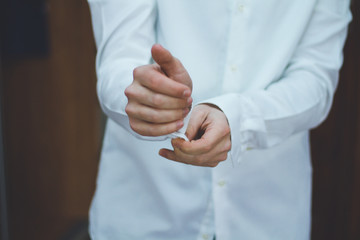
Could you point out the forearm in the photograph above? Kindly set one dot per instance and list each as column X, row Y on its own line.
column 124, row 33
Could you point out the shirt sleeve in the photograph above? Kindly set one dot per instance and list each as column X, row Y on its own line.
column 302, row 97
column 124, row 32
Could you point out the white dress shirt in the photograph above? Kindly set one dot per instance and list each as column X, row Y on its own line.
column 271, row 66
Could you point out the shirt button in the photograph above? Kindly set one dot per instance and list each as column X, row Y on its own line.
column 233, row 68
column 205, row 236
column 221, row 183
column 240, row 8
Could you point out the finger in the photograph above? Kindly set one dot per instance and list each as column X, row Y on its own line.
column 171, row 66
column 154, row 115
column 169, row 154
column 147, row 97
column 205, row 144
column 179, row 157
column 175, row 156
column 215, row 154
column 196, row 120
column 151, row 78
column 168, row 63
column 154, row 129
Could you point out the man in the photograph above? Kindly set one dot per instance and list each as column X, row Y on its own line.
column 256, row 75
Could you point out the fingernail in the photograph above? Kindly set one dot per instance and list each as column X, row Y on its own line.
column 179, row 124
column 174, row 143
column 189, row 100
column 187, row 93
column 161, row 153
column 185, row 111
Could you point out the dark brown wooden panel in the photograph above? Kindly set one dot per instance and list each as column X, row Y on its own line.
column 336, row 152
column 52, row 128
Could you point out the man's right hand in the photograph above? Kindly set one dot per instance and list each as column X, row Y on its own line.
column 159, row 97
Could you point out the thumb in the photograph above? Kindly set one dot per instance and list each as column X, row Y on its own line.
column 170, row 65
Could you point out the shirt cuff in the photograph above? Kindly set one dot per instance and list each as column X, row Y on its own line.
column 246, row 123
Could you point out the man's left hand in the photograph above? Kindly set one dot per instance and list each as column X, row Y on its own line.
column 209, row 139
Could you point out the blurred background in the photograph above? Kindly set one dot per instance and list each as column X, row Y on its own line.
column 52, row 127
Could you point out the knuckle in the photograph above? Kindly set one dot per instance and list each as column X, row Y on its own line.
column 213, row 164
column 153, row 81
column 185, row 149
column 227, row 146
column 227, row 131
column 128, row 109
column 154, row 118
column 129, row 91
column 157, row 100
column 223, row 157
column 133, row 126
column 137, row 71
column 207, row 148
